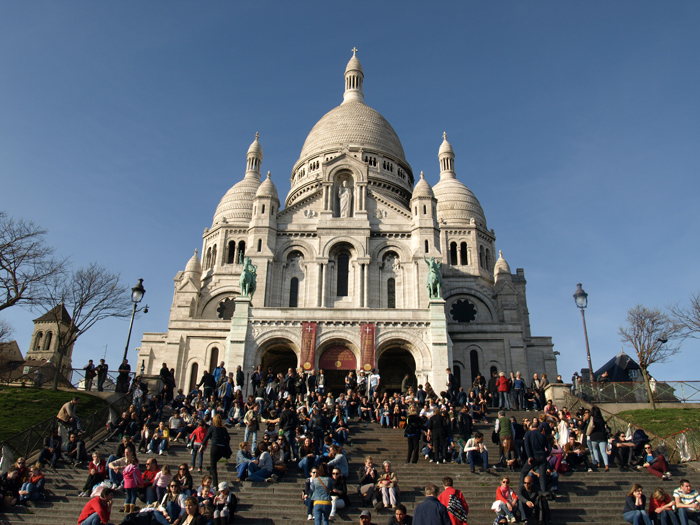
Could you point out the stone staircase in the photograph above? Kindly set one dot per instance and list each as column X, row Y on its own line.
column 595, row 498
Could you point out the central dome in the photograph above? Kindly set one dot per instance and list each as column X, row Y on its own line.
column 353, row 123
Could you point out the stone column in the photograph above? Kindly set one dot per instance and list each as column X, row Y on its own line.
column 366, row 290
column 235, row 352
column 441, row 345
column 324, row 278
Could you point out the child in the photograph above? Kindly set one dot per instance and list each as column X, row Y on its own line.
column 132, row 480
column 385, row 418
column 161, row 481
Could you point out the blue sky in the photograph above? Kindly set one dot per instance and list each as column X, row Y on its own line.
column 576, row 124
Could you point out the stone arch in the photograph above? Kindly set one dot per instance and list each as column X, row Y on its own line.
column 278, row 352
column 327, row 248
column 401, row 249
column 338, row 336
column 213, row 355
column 335, row 378
column 454, row 293
column 209, row 305
column 285, row 248
column 192, row 371
column 475, row 355
column 395, row 358
column 344, row 167
column 411, row 341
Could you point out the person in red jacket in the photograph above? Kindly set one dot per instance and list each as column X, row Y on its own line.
column 503, row 385
column 506, row 501
column 444, row 498
column 98, row 509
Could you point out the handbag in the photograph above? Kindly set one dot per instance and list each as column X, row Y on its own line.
column 454, row 507
column 495, row 439
column 590, row 428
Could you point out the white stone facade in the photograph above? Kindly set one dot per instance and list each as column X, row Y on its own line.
column 348, row 249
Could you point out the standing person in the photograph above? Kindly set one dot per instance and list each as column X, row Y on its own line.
column 687, row 504
column 209, row 384
column 240, row 378
column 413, row 431
column 635, row 507
column 196, row 438
column 431, row 511
column 451, row 384
column 537, row 448
column 132, row 481
column 519, row 391
column 459, row 516
column 505, row 432
column 503, row 386
column 220, row 444
column 98, row 510
column 374, row 381
column 438, row 430
column 661, row 508
column 598, row 441
column 101, row 370
column 89, row 375
column 123, row 377
column 322, row 486
column 493, row 390
column 219, row 372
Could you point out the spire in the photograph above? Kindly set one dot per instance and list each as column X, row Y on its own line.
column 354, row 77
column 446, row 156
column 255, row 156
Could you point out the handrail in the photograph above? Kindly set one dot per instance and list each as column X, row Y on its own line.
column 75, row 377
column 636, row 391
column 30, row 441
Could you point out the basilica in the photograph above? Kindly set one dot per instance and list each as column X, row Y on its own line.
column 362, row 268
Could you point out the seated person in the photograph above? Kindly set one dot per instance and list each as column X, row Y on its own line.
column 225, row 504
column 367, row 479
column 575, row 454
column 33, row 488
column 97, row 510
column 661, row 508
column 400, row 516
column 655, row 463
column 506, row 503
column 97, row 474
column 159, row 439
column 53, row 445
column 531, row 502
column 620, row 450
column 476, row 451
column 75, row 450
column 687, row 504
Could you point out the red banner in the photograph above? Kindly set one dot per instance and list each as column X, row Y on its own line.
column 308, row 345
column 367, row 343
column 337, row 358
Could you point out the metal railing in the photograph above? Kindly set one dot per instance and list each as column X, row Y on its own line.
column 636, row 392
column 38, row 376
column 30, row 442
column 680, row 447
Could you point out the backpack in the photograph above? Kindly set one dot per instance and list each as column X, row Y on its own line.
column 454, row 507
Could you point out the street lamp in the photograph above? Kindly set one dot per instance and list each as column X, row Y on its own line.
column 581, row 299
column 137, row 293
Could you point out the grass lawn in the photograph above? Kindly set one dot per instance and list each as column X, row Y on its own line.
column 664, row 421
column 21, row 408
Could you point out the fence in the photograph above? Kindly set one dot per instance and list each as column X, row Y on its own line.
column 30, row 442
column 636, row 392
column 680, row 447
column 41, row 375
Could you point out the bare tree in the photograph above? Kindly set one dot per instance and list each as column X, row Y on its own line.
column 88, row 295
column 688, row 318
column 26, row 261
column 654, row 337
column 5, row 331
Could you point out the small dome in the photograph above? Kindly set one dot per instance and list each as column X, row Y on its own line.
column 237, row 205
column 501, row 265
column 456, row 202
column 422, row 188
column 193, row 265
column 255, row 148
column 354, row 63
column 445, row 147
column 267, row 188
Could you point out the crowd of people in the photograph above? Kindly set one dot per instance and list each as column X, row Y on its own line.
column 292, row 420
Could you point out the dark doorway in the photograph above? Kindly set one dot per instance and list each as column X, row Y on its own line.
column 474, row 364
column 280, row 358
column 336, row 361
column 394, row 363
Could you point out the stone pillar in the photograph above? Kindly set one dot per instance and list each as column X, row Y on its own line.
column 441, row 346
column 235, row 353
column 556, row 392
column 366, row 290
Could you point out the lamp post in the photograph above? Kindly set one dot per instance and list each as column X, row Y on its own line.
column 581, row 299
column 137, row 293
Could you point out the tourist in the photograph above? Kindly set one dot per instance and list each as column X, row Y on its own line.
column 339, row 493
column 400, row 516
column 476, row 451
column 32, row 489
column 68, row 417
column 387, row 486
column 687, row 504
column 171, row 504
column 367, row 480
column 532, row 502
column 132, row 480
column 537, row 448
column 661, row 508
column 635, row 507
column 439, row 427
column 430, row 511
column 162, row 481
column 260, row 469
column 192, row 515
column 506, row 501
column 51, row 451
column 220, row 444
column 184, row 480
column 322, row 486
column 597, row 438
column 655, row 463
column 366, row 518
column 98, row 509
column 101, row 371
column 225, row 504
column 458, row 515
column 195, row 440
column 97, row 473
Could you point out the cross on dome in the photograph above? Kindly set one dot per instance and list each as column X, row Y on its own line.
column 354, row 50
column 444, row 135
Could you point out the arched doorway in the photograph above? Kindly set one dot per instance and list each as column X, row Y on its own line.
column 280, row 357
column 336, row 361
column 194, row 370
column 393, row 365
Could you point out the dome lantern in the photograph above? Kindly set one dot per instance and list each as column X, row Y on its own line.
column 446, row 156
column 354, row 76
column 254, row 156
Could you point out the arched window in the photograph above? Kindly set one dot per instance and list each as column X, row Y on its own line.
column 391, row 293
column 427, row 247
column 294, row 293
column 213, row 256
column 343, row 270
column 474, row 363
column 453, row 254
column 457, row 371
column 259, row 245
column 207, row 261
column 425, row 210
column 37, row 343
column 482, row 257
column 493, row 370
column 263, row 210
column 241, row 252
column 463, row 260
column 231, row 254
column 47, row 342
column 194, row 371
column 487, row 259
column 213, row 359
